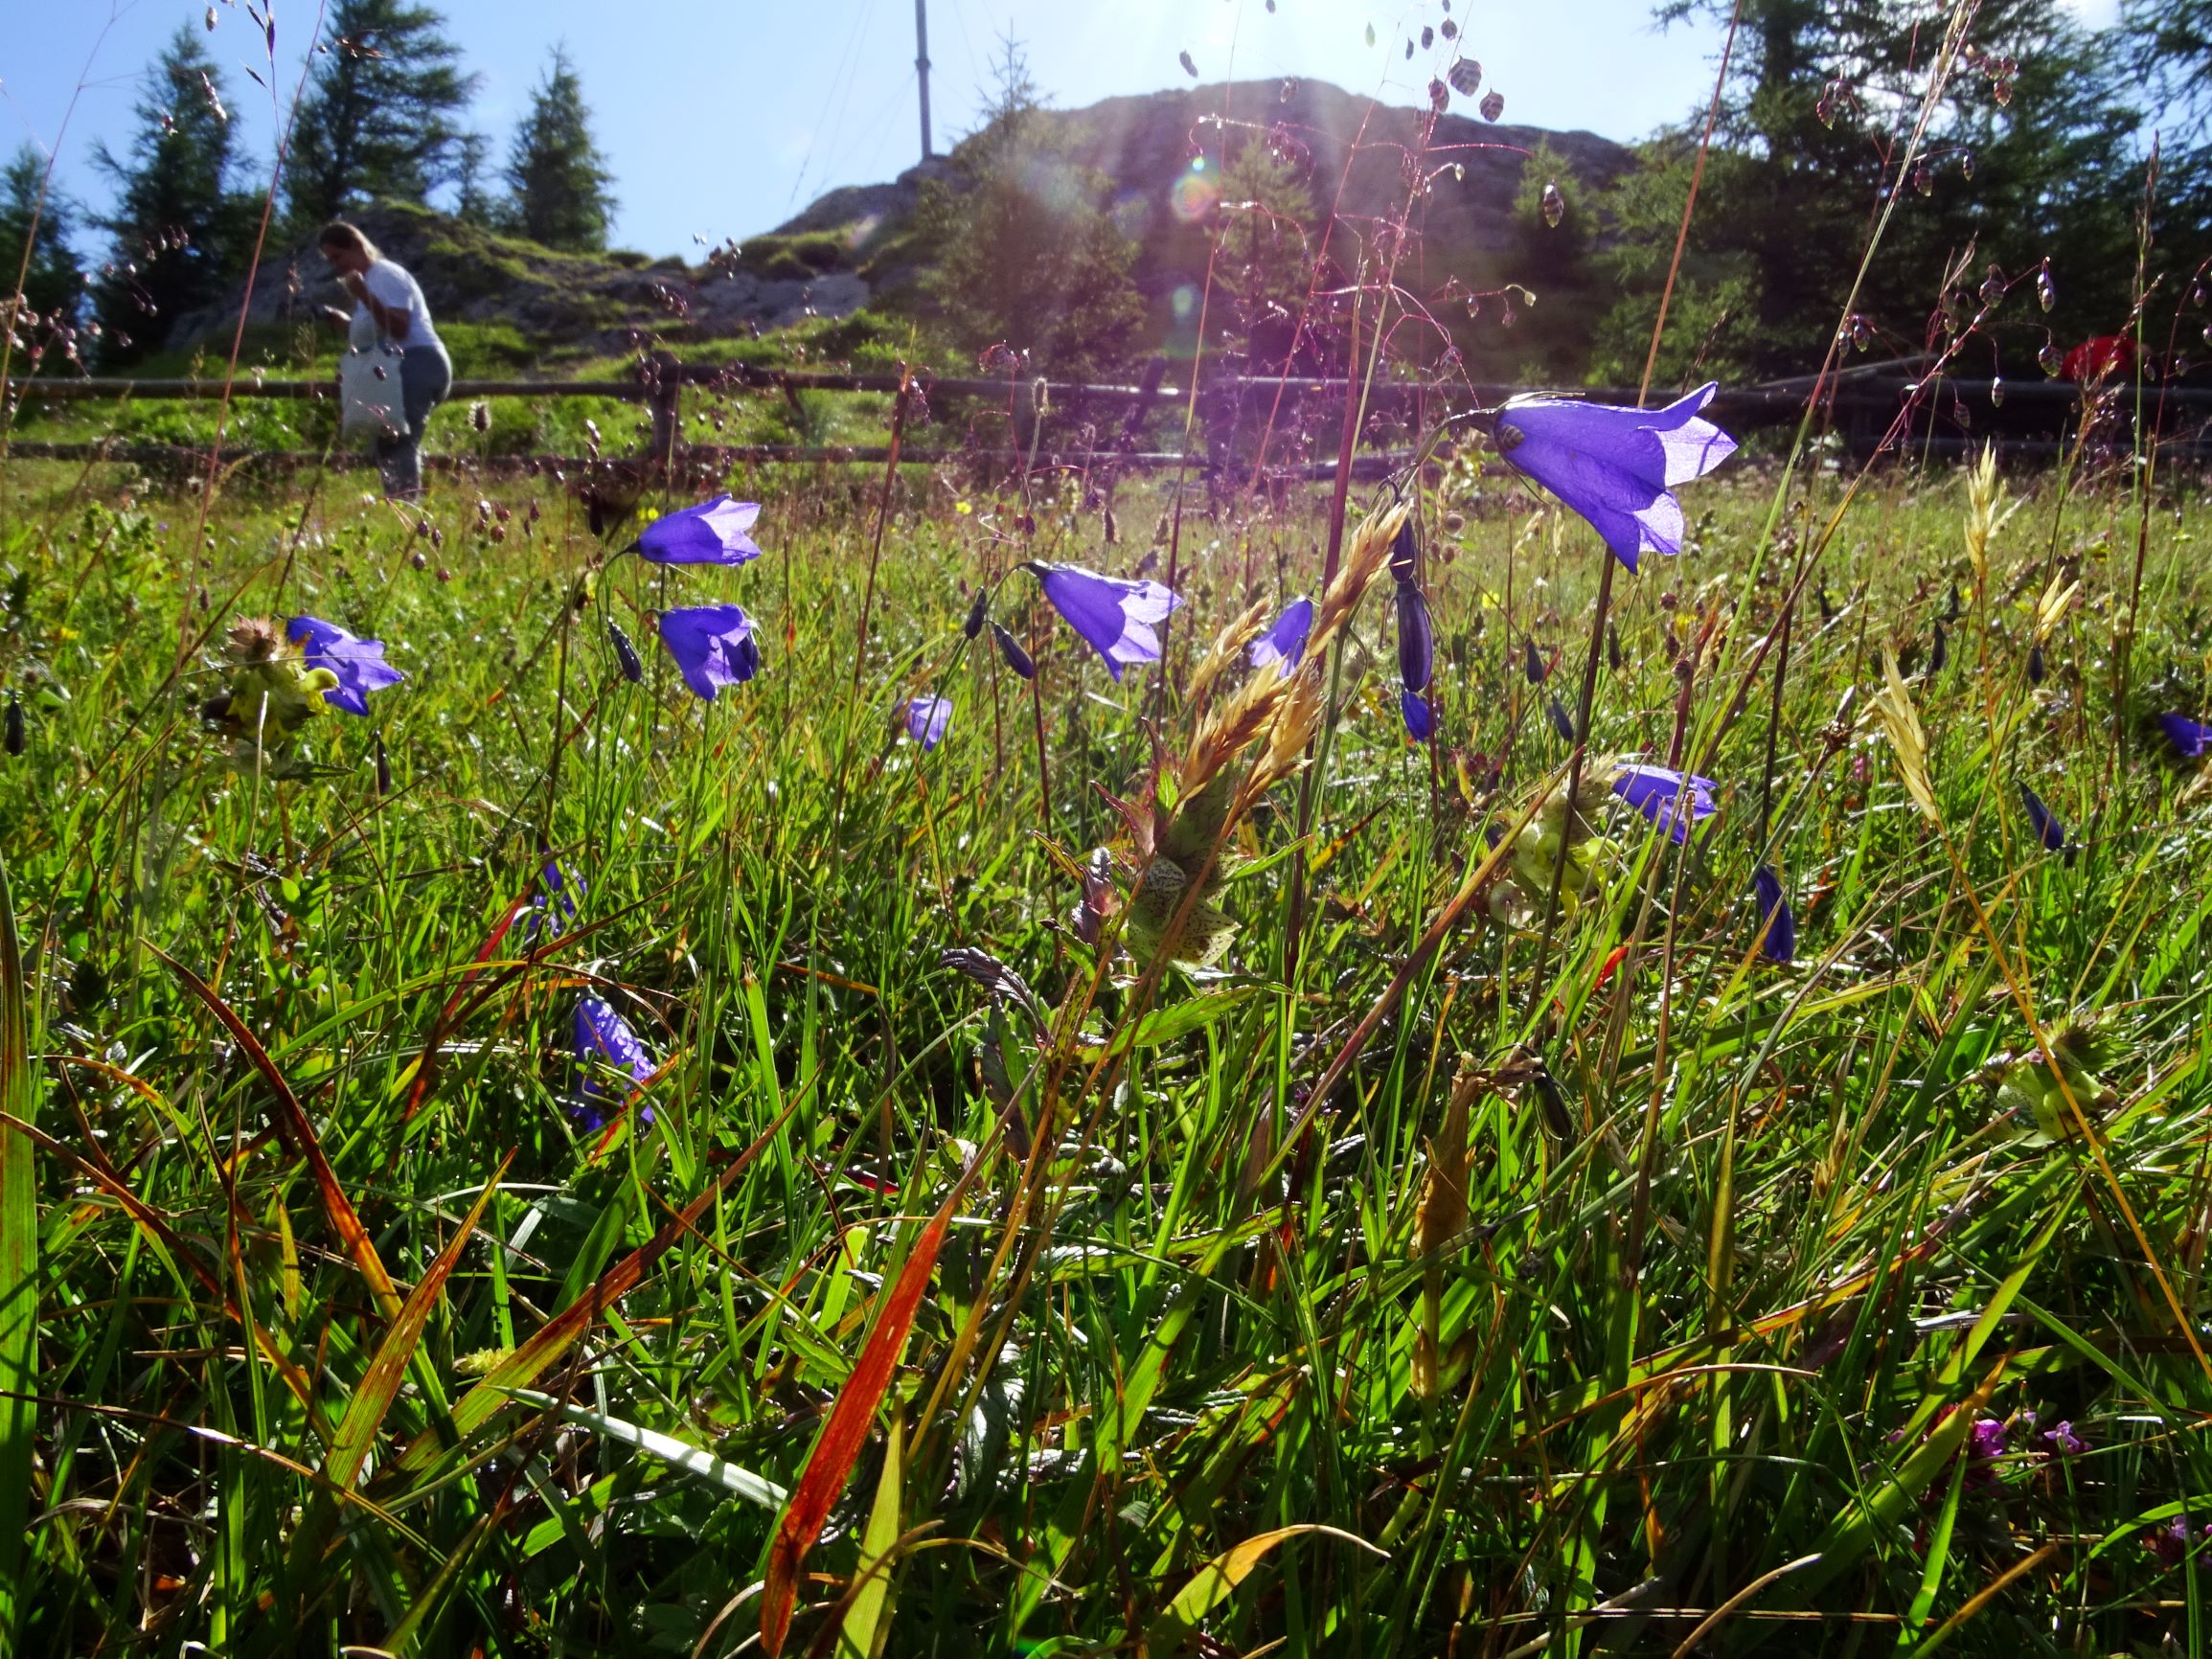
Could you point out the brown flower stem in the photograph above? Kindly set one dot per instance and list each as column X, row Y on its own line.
column 1043, row 766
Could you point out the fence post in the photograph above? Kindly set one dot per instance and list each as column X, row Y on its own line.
column 663, row 386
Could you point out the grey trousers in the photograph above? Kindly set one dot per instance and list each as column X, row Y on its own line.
column 425, row 376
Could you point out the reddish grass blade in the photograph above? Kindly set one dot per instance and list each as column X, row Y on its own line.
column 532, row 1359
column 381, row 1385
column 830, row 1466
column 299, row 1137
column 176, row 1253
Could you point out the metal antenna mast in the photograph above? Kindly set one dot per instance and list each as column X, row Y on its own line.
column 921, row 67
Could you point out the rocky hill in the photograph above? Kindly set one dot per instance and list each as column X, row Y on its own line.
column 573, row 303
column 847, row 247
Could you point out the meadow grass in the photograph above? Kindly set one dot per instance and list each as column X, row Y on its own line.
column 1627, row 1293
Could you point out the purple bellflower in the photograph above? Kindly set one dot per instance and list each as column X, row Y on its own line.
column 711, row 533
column 713, row 646
column 1780, row 945
column 1284, row 644
column 601, row 1038
column 1415, row 638
column 1419, row 716
column 359, row 664
column 1617, row 467
column 2191, row 739
column 1118, row 618
column 1656, row 792
column 926, row 720
column 552, row 908
column 2048, row 830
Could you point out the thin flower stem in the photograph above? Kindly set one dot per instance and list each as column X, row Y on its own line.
column 875, row 561
column 1774, row 728
column 1043, row 762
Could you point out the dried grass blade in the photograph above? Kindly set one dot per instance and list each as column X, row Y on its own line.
column 830, row 1463
column 365, row 1412
column 535, row 1357
column 299, row 1135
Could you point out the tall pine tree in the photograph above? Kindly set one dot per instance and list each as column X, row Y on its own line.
column 379, row 120
column 53, row 285
column 1021, row 249
column 2027, row 155
column 559, row 177
column 180, row 231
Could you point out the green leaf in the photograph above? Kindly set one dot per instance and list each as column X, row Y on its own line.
column 20, row 1380
column 678, row 1454
column 867, row 1621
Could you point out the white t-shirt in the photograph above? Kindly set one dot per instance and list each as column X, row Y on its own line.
column 394, row 287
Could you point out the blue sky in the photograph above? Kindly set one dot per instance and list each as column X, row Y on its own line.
column 723, row 116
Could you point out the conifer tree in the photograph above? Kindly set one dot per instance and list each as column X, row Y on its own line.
column 472, row 202
column 379, row 117
column 555, row 171
column 180, row 231
column 53, row 285
column 1024, row 253
column 2029, row 153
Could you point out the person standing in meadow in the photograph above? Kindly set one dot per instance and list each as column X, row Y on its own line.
column 391, row 312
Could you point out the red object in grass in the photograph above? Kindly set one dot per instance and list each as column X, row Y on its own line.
column 2099, row 357
column 1611, row 961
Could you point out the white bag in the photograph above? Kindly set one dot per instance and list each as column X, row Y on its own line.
column 372, row 402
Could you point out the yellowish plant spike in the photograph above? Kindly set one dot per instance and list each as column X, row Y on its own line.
column 1365, row 558
column 2051, row 610
column 1227, row 647
column 1986, row 512
column 1893, row 704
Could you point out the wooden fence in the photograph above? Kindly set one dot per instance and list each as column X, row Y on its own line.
column 2026, row 418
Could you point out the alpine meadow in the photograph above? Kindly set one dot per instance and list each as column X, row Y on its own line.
column 1262, row 871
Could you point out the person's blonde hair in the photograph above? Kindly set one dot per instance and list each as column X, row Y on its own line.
column 338, row 234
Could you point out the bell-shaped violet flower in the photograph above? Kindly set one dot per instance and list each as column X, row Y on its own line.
column 711, row 533
column 359, row 664
column 1284, row 644
column 601, row 1038
column 1119, row 618
column 1418, row 715
column 552, row 906
column 713, row 646
column 1657, row 793
column 2191, row 739
column 2048, row 830
column 926, row 720
column 1415, row 638
column 1780, row 942
column 1616, row 467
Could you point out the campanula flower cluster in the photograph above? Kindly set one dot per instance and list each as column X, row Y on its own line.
column 712, row 644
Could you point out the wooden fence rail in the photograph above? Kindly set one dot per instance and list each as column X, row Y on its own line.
column 1863, row 398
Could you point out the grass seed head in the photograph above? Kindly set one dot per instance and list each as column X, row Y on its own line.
column 1901, row 723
